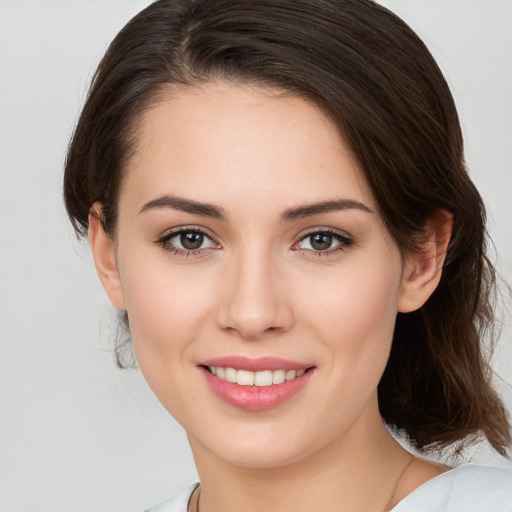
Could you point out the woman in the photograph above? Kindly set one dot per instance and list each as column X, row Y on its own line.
column 275, row 195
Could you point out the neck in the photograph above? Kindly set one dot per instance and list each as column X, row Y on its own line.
column 355, row 472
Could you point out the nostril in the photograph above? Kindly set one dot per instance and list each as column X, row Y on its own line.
column 253, row 312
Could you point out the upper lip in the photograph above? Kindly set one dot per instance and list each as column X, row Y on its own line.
column 257, row 364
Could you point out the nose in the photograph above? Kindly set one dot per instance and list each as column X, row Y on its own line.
column 255, row 302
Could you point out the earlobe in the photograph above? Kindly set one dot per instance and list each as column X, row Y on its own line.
column 103, row 252
column 423, row 268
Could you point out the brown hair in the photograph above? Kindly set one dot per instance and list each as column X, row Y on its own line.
column 371, row 74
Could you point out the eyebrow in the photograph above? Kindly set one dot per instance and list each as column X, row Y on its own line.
column 186, row 205
column 216, row 212
column 336, row 205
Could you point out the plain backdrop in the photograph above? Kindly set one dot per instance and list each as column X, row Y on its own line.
column 76, row 434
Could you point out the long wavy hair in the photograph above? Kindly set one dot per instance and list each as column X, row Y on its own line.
column 376, row 79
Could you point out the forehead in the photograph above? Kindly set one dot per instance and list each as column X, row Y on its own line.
column 222, row 141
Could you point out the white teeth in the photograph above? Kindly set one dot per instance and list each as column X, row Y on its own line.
column 291, row 374
column 262, row 379
column 278, row 376
column 230, row 374
column 245, row 378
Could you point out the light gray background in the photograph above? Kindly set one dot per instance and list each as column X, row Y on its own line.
column 75, row 433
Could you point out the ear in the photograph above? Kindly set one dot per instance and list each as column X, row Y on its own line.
column 103, row 251
column 423, row 268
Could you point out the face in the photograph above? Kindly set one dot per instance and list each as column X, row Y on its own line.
column 249, row 246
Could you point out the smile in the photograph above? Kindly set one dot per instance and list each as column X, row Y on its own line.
column 263, row 378
column 256, row 384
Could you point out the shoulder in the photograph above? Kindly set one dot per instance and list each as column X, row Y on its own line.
column 468, row 488
column 177, row 503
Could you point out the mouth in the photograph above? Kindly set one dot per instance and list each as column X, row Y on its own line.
column 256, row 385
column 262, row 378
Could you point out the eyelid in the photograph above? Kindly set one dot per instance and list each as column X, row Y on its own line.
column 344, row 238
column 171, row 233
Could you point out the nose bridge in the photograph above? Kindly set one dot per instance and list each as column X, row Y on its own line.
column 254, row 303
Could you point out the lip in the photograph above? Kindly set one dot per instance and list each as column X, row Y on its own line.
column 256, row 398
column 256, row 364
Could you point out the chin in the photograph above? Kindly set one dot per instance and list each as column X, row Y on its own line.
column 263, row 446
column 263, row 457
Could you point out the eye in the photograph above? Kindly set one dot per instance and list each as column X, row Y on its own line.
column 323, row 241
column 187, row 241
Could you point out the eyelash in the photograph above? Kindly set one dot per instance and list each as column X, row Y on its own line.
column 344, row 242
column 165, row 242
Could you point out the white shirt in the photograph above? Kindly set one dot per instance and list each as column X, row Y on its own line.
column 468, row 488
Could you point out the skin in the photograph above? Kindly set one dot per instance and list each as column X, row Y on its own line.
column 258, row 288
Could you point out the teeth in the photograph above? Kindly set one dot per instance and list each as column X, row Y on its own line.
column 262, row 379
column 230, row 374
column 278, row 376
column 290, row 375
column 245, row 378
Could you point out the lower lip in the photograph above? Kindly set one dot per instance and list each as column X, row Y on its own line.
column 256, row 398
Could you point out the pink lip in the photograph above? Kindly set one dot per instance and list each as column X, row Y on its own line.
column 255, row 364
column 255, row 398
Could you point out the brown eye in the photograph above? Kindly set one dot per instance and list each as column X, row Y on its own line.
column 321, row 241
column 324, row 242
column 187, row 242
column 191, row 240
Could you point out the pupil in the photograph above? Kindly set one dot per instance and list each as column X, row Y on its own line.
column 321, row 241
column 191, row 241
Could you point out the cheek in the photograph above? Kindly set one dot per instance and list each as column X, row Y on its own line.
column 357, row 316
column 167, row 312
column 167, row 306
